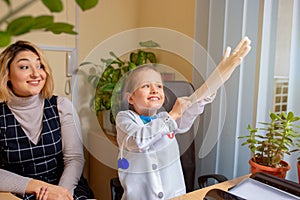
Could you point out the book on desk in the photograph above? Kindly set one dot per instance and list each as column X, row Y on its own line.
column 258, row 186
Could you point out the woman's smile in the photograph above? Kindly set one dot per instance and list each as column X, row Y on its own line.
column 27, row 75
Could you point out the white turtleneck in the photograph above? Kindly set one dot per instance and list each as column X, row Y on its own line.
column 29, row 113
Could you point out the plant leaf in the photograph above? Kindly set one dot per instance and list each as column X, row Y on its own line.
column 7, row 2
column 107, row 87
column 86, row 4
column 20, row 25
column 87, row 63
column 133, row 57
column 295, row 119
column 5, row 39
column 43, row 21
column 149, row 44
column 151, row 57
column 274, row 116
column 54, row 5
column 61, row 27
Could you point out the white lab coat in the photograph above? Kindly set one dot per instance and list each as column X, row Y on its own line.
column 152, row 168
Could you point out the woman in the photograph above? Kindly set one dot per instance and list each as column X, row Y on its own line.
column 41, row 152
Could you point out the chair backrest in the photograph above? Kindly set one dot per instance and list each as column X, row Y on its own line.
column 173, row 89
column 186, row 140
column 116, row 189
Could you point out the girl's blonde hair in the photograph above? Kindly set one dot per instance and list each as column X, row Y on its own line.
column 131, row 82
column 6, row 58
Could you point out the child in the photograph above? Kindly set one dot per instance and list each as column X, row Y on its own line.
column 149, row 163
column 149, row 160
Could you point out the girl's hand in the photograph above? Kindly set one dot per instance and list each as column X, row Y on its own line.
column 181, row 104
column 223, row 71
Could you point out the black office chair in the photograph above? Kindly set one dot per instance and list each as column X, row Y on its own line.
column 116, row 189
column 210, row 179
column 173, row 89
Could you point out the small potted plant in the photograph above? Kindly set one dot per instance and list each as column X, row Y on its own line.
column 113, row 69
column 269, row 144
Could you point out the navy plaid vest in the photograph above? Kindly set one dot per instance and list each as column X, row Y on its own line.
column 44, row 160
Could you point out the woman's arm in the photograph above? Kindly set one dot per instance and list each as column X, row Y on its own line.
column 72, row 144
column 11, row 182
column 14, row 183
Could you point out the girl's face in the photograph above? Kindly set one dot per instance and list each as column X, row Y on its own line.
column 26, row 74
column 149, row 95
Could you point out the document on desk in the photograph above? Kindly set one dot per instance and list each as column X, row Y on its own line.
column 251, row 189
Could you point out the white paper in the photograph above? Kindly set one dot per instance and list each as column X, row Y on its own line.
column 251, row 189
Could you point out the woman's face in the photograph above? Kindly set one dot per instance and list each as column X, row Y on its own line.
column 148, row 95
column 26, row 74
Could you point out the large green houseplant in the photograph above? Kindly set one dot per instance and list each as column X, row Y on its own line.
column 113, row 69
column 271, row 142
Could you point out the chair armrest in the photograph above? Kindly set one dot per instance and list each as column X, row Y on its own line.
column 203, row 180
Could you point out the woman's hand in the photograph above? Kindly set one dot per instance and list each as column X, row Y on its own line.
column 42, row 194
column 46, row 191
column 181, row 104
column 55, row 192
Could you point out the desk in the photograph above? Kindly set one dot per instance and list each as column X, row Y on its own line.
column 199, row 194
column 7, row 196
column 195, row 195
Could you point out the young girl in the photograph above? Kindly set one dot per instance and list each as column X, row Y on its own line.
column 41, row 154
column 149, row 159
column 149, row 162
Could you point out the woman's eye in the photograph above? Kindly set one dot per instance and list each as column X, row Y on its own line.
column 41, row 67
column 24, row 67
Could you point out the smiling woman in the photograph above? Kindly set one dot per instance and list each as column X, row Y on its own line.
column 41, row 152
column 27, row 76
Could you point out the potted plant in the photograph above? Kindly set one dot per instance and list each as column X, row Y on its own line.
column 105, row 83
column 269, row 144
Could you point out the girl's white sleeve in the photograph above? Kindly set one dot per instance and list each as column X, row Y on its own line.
column 136, row 136
column 190, row 115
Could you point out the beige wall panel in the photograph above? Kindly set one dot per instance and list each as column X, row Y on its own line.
column 173, row 14
column 108, row 18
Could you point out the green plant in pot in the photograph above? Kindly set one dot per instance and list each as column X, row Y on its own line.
column 113, row 69
column 271, row 142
